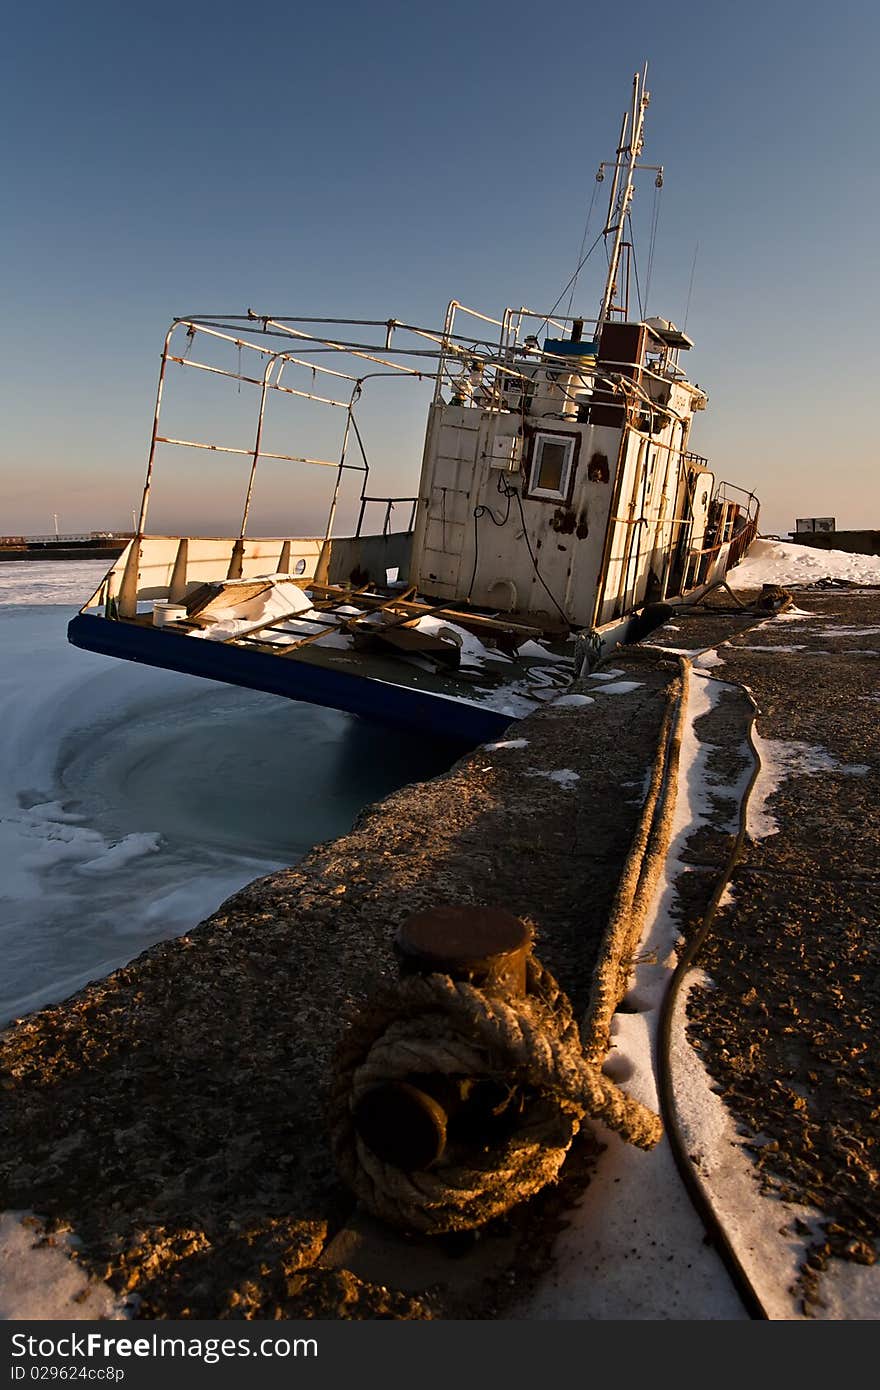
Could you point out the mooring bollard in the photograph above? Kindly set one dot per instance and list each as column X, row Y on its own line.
column 407, row 1123
column 486, row 946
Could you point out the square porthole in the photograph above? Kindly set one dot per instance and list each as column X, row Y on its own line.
column 551, row 470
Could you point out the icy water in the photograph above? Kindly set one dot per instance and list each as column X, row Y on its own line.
column 133, row 801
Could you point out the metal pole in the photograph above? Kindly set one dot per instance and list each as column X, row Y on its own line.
column 128, row 588
column 236, row 560
column 444, row 348
column 145, row 499
column 270, row 365
column 332, row 512
column 639, row 103
column 615, row 182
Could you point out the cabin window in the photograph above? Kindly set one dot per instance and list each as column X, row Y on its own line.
column 552, row 467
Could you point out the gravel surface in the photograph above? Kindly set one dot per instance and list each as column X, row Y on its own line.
column 172, row 1114
column 789, row 1029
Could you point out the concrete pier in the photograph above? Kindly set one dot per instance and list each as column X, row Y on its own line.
column 172, row 1114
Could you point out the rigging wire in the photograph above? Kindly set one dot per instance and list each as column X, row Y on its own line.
column 635, row 265
column 581, row 251
column 687, row 307
column 578, row 269
column 655, row 219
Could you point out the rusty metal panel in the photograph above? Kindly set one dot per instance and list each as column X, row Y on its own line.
column 622, row 346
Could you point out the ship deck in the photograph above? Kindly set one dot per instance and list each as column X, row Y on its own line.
column 382, row 655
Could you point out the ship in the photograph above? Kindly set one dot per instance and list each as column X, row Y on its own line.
column 559, row 507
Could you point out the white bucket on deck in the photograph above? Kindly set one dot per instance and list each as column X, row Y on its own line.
column 165, row 612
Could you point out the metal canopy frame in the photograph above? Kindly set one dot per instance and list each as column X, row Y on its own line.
column 431, row 357
column 392, row 349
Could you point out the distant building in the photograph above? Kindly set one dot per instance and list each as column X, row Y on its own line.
column 821, row 532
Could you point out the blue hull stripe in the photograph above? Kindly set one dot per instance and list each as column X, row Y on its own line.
column 295, row 680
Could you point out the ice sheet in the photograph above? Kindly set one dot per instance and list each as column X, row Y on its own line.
column 133, row 800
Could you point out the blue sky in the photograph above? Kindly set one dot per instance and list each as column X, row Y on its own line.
column 375, row 160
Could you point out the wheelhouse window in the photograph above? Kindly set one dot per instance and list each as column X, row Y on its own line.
column 552, row 466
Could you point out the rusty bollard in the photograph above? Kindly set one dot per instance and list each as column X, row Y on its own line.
column 410, row 1123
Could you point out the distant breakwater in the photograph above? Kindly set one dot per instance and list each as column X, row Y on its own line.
column 51, row 552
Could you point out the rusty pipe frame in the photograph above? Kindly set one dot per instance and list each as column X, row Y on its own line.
column 283, row 358
column 257, row 381
column 272, row 363
column 449, row 346
column 154, row 437
column 338, row 347
column 279, row 360
column 331, row 514
column 194, row 327
column 247, row 453
column 199, row 327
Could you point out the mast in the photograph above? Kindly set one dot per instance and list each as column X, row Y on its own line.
column 619, row 203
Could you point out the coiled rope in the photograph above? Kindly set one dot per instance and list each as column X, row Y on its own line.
column 434, row 1024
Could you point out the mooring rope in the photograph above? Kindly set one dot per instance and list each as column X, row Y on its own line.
column 426, row 1025
column 641, row 869
column 433, row 1024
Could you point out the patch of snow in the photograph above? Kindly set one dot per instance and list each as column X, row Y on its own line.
column 620, row 688
column 847, row 630
column 793, row 647
column 782, row 759
column 608, row 675
column 573, row 701
column 235, row 619
column 727, row 1174
column 633, row 1250
column 40, row 1281
column 473, row 651
column 778, row 562
column 563, row 776
column 507, row 743
column 849, row 1292
column 536, row 652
